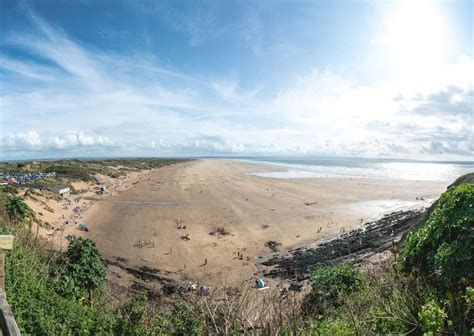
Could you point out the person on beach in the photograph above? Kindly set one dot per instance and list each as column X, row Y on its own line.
column 205, row 261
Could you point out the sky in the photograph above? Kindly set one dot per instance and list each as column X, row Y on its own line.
column 237, row 78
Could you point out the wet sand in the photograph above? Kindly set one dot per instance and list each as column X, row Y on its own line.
column 145, row 223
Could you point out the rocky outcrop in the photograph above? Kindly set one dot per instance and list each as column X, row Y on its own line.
column 354, row 246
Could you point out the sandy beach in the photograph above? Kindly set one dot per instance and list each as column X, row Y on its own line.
column 60, row 217
column 146, row 223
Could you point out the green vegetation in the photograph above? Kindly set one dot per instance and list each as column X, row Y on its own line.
column 442, row 251
column 353, row 302
column 44, row 290
column 18, row 211
column 329, row 286
column 83, row 170
column 6, row 189
column 84, row 269
column 427, row 290
column 32, row 290
column 440, row 255
column 181, row 319
column 432, row 317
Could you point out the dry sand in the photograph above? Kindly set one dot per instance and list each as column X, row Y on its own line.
column 61, row 217
column 206, row 194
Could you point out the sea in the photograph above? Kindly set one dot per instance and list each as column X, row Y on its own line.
column 289, row 168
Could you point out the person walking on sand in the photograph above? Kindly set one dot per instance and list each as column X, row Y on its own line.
column 205, row 261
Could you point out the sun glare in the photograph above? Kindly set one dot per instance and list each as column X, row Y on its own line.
column 416, row 35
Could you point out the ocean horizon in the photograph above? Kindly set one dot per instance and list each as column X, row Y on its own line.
column 327, row 167
column 339, row 167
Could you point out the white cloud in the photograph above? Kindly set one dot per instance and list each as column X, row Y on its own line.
column 24, row 141
column 128, row 105
column 32, row 141
column 27, row 69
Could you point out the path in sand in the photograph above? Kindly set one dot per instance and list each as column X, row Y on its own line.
column 206, row 194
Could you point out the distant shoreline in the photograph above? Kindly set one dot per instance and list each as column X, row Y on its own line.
column 359, row 168
column 243, row 158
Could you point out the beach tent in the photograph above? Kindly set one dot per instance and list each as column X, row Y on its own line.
column 260, row 283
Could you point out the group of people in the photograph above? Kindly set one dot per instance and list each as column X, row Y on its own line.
column 201, row 291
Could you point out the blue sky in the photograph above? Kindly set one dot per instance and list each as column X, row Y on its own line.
column 165, row 78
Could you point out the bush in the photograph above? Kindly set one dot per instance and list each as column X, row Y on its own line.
column 18, row 210
column 326, row 327
column 432, row 317
column 8, row 189
column 469, row 298
column 71, row 172
column 442, row 250
column 329, row 284
column 382, row 323
column 84, row 269
column 181, row 319
column 441, row 254
column 132, row 317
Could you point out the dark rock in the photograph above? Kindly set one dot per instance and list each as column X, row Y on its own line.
column 354, row 246
column 169, row 289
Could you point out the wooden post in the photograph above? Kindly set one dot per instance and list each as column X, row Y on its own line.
column 8, row 324
column 2, row 271
column 6, row 243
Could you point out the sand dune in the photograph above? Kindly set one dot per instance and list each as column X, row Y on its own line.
column 204, row 195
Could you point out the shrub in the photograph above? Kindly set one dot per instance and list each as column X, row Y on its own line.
column 329, row 284
column 132, row 315
column 441, row 253
column 468, row 304
column 469, row 298
column 181, row 319
column 382, row 323
column 8, row 189
column 84, row 268
column 326, row 327
column 18, row 210
column 442, row 250
column 71, row 172
column 432, row 317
